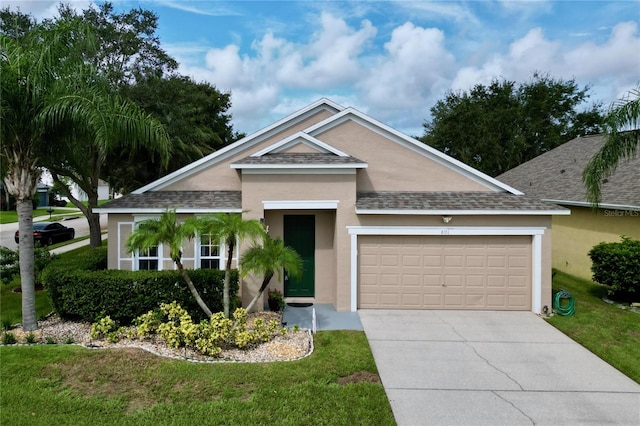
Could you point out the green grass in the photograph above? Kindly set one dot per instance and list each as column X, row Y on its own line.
column 72, row 385
column 86, row 203
column 11, row 303
column 608, row 331
column 12, row 216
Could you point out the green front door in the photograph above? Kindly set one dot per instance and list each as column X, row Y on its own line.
column 300, row 235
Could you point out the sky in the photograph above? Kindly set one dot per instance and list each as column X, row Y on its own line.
column 392, row 60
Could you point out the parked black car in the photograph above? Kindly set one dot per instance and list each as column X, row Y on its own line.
column 47, row 233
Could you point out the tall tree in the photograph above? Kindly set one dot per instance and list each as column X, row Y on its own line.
column 126, row 49
column 268, row 259
column 622, row 138
column 195, row 117
column 46, row 88
column 497, row 127
column 232, row 229
column 167, row 231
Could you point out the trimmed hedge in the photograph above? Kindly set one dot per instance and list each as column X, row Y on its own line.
column 617, row 265
column 79, row 290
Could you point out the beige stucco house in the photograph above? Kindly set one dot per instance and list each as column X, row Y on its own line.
column 556, row 177
column 380, row 219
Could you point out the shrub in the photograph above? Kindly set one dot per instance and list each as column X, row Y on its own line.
column 30, row 338
column 8, row 338
column 10, row 266
column 617, row 265
column 209, row 337
column 92, row 259
column 125, row 295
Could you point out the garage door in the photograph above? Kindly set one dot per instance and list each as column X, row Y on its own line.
column 444, row 272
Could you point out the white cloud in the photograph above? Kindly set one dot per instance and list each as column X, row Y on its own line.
column 618, row 57
column 331, row 58
column 439, row 10
column 398, row 84
column 42, row 9
column 611, row 67
column 414, row 69
column 200, row 7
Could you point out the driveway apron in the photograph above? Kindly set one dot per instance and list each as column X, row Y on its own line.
column 488, row 368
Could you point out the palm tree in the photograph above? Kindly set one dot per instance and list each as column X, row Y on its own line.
column 273, row 256
column 167, row 231
column 46, row 88
column 230, row 228
column 622, row 137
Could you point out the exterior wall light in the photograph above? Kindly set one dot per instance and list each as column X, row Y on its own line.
column 446, row 219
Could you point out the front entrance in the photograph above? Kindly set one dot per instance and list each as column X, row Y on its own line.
column 300, row 235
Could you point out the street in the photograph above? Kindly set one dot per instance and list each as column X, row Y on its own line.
column 75, row 221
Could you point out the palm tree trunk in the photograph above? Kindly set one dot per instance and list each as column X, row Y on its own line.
column 193, row 289
column 227, row 279
column 265, row 283
column 25, row 226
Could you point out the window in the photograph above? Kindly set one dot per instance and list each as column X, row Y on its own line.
column 209, row 253
column 148, row 259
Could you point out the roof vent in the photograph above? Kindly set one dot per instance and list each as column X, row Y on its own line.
column 562, row 171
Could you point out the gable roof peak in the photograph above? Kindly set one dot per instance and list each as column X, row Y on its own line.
column 247, row 141
column 300, row 138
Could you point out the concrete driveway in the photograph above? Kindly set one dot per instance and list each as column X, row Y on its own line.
column 477, row 368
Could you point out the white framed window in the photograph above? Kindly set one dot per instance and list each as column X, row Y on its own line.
column 149, row 260
column 209, row 253
column 212, row 254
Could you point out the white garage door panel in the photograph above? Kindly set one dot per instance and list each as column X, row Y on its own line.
column 445, row 272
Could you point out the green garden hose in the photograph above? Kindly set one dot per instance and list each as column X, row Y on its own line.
column 567, row 309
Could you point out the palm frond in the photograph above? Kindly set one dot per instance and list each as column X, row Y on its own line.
column 622, row 138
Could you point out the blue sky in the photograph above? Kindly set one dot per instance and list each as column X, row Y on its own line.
column 392, row 60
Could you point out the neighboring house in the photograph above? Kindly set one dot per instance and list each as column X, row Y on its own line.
column 103, row 191
column 42, row 194
column 556, row 177
column 380, row 219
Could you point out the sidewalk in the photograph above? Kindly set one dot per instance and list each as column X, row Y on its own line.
column 75, row 245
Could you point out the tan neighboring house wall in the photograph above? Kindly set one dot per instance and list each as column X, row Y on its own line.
column 575, row 235
column 359, row 179
column 556, row 177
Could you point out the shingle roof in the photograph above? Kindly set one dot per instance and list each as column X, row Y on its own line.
column 185, row 200
column 299, row 159
column 451, row 201
column 557, row 175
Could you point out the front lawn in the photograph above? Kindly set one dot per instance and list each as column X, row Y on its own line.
column 67, row 384
column 606, row 330
column 12, row 215
column 11, row 303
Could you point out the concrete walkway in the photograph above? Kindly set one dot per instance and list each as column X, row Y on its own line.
column 327, row 318
column 488, row 368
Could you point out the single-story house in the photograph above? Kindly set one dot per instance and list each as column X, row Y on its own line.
column 556, row 177
column 380, row 219
column 104, row 191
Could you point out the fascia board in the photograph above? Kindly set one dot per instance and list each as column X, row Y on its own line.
column 412, row 144
column 300, row 204
column 299, row 171
column 299, row 166
column 154, row 210
column 238, row 146
column 587, row 204
column 444, row 230
column 563, row 212
column 306, row 139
